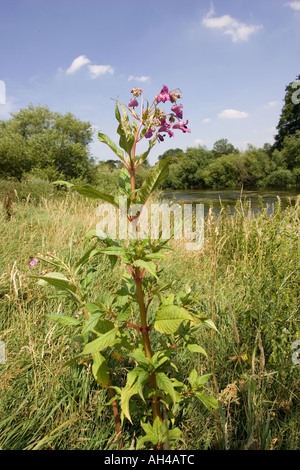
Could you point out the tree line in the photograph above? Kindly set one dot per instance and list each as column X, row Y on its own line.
column 38, row 142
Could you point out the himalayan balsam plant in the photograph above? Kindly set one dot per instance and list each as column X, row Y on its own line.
column 141, row 321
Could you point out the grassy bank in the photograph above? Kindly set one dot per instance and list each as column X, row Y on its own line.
column 247, row 279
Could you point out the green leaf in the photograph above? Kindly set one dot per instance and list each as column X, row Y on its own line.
column 124, row 130
column 148, row 265
column 106, row 140
column 165, row 384
column 169, row 317
column 157, row 175
column 150, row 436
column 104, row 341
column 100, row 369
column 208, row 401
column 196, row 349
column 93, row 193
column 211, row 324
column 139, row 356
column 63, row 183
column 124, row 182
column 59, row 281
column 90, row 324
column 127, row 392
column 63, row 319
column 93, row 308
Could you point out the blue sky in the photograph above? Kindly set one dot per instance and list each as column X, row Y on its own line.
column 232, row 59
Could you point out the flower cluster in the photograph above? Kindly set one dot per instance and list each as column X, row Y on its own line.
column 33, row 262
column 155, row 120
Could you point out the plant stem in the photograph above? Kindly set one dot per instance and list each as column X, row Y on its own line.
column 140, row 295
column 117, row 419
column 146, row 341
column 114, row 404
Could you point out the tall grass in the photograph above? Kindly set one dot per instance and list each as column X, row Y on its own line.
column 247, row 280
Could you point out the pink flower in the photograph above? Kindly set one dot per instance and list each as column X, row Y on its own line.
column 150, row 132
column 164, row 126
column 33, row 262
column 163, row 95
column 160, row 138
column 182, row 126
column 177, row 109
column 133, row 103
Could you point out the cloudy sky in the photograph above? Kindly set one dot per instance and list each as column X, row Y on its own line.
column 232, row 59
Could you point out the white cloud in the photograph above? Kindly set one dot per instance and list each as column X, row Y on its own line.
column 232, row 114
column 228, row 25
column 2, row 92
column 271, row 104
column 77, row 63
column 293, row 5
column 142, row 78
column 199, row 142
column 7, row 108
column 97, row 70
column 206, row 120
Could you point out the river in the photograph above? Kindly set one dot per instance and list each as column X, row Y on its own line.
column 229, row 198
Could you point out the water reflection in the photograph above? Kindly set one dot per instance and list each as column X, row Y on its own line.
column 256, row 200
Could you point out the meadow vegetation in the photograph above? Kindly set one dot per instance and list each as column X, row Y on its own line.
column 247, row 279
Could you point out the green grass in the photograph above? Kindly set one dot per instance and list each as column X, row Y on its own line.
column 247, row 280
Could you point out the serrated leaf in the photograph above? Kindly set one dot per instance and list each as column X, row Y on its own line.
column 165, row 384
column 93, row 193
column 64, row 319
column 196, row 349
column 211, row 324
column 101, row 343
column 59, row 281
column 124, row 130
column 127, row 392
column 100, row 369
column 93, row 308
column 106, row 140
column 148, row 265
column 157, row 175
column 139, row 356
column 208, row 401
column 148, row 438
column 90, row 324
column 169, row 317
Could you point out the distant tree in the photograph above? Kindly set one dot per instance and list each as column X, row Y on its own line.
column 289, row 156
column 223, row 147
column 170, row 153
column 289, row 121
column 37, row 138
column 282, row 179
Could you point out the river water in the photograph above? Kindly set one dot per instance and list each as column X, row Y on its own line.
column 229, row 198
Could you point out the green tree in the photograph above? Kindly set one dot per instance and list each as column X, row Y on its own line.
column 37, row 138
column 170, row 153
column 289, row 121
column 223, row 147
column 289, row 156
